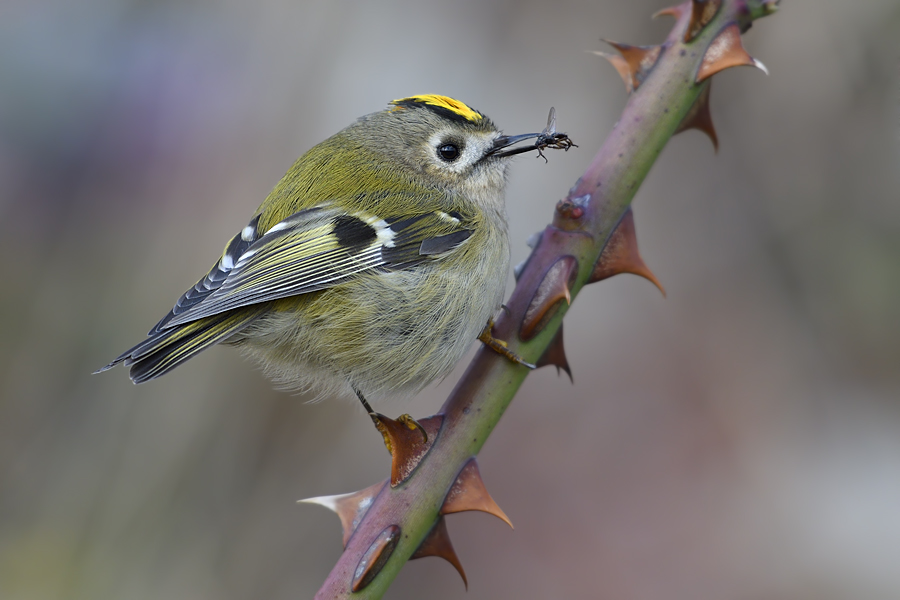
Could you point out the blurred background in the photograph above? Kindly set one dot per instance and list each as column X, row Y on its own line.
column 737, row 440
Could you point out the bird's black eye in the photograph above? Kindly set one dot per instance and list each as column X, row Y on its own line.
column 448, row 152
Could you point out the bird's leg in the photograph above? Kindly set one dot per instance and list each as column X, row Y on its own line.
column 499, row 346
column 365, row 402
column 376, row 418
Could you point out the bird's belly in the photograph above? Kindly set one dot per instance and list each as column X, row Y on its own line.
column 385, row 334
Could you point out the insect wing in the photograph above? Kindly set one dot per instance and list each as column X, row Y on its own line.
column 550, row 130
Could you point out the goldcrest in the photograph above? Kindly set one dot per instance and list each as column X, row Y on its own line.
column 371, row 267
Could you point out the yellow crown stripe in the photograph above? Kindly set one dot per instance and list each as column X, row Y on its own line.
column 454, row 106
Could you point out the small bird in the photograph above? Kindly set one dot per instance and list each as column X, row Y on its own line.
column 371, row 267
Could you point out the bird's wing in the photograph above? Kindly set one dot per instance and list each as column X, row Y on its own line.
column 311, row 250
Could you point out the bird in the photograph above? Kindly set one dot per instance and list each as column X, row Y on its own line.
column 371, row 267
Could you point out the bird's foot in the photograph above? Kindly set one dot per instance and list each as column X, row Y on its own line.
column 500, row 347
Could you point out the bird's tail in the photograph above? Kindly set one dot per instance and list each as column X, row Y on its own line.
column 164, row 350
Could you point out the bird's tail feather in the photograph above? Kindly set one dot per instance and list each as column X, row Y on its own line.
column 168, row 348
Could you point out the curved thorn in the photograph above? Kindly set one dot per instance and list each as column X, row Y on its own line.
column 437, row 543
column 621, row 255
column 621, row 67
column 639, row 60
column 555, row 355
column 699, row 117
column 726, row 51
column 407, row 443
column 759, row 65
column 469, row 493
column 350, row 508
column 676, row 11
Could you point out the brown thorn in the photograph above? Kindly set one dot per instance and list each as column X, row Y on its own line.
column 702, row 12
column 374, row 559
column 553, row 289
column 635, row 63
column 350, row 508
column 724, row 52
column 407, row 444
column 468, row 493
column 676, row 11
column 621, row 255
column 437, row 543
column 555, row 355
column 699, row 117
column 621, row 67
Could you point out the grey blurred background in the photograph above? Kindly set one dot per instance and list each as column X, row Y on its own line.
column 738, row 440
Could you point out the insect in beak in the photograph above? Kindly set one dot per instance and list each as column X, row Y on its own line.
column 505, row 141
column 548, row 138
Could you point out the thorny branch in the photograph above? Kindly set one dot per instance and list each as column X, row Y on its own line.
column 591, row 238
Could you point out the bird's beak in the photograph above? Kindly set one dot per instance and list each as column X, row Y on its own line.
column 505, row 141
